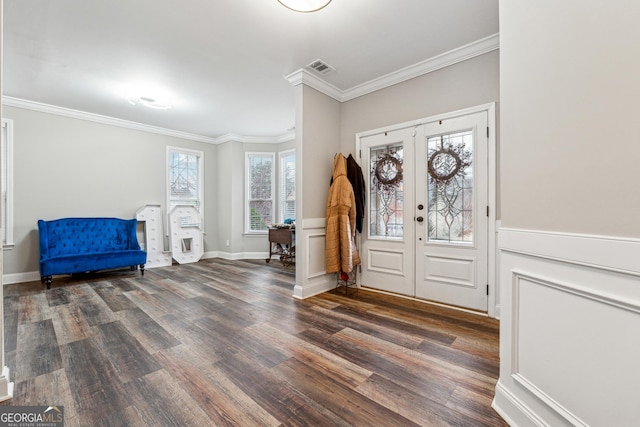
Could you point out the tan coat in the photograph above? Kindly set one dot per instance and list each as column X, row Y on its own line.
column 341, row 253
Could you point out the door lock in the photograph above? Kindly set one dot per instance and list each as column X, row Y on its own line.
column 419, row 219
column 420, row 207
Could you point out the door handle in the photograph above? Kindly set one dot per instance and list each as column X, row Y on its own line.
column 419, row 219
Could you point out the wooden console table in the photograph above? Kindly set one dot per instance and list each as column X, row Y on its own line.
column 282, row 242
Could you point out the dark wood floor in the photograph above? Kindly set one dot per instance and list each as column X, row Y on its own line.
column 224, row 343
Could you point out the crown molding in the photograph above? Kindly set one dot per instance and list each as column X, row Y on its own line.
column 97, row 118
column 230, row 137
column 303, row 76
column 462, row 53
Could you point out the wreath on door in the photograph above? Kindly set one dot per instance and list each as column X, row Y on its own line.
column 447, row 162
column 388, row 171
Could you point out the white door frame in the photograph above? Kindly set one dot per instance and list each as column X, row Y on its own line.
column 493, row 302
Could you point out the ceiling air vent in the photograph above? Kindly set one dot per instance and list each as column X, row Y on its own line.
column 321, row 67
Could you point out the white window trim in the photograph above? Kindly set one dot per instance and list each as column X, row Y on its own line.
column 247, row 210
column 200, row 155
column 281, row 181
column 8, row 221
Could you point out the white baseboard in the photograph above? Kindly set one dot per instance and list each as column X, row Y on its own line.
column 237, row 255
column 315, row 286
column 34, row 276
column 13, row 278
column 6, row 387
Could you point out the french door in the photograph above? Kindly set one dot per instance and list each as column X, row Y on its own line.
column 426, row 233
column 388, row 232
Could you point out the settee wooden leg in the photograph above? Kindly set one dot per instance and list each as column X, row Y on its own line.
column 142, row 269
column 47, row 281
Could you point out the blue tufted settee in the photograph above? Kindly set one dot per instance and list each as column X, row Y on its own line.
column 80, row 245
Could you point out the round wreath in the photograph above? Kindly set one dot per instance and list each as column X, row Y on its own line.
column 384, row 165
column 440, row 175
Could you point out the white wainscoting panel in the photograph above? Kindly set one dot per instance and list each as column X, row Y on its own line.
column 311, row 277
column 315, row 255
column 569, row 341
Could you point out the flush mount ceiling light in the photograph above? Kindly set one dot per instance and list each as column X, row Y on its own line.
column 148, row 102
column 304, row 5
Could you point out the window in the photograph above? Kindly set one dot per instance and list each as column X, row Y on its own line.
column 287, row 185
column 7, row 182
column 184, row 178
column 386, row 197
column 260, row 188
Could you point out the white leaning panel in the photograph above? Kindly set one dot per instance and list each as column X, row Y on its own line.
column 185, row 234
column 151, row 218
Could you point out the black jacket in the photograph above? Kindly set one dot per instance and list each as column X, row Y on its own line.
column 354, row 174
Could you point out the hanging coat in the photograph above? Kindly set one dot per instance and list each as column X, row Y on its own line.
column 341, row 254
column 354, row 173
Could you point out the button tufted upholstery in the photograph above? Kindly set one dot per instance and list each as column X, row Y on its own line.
column 78, row 245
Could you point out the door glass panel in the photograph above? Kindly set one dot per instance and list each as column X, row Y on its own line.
column 450, row 187
column 386, row 199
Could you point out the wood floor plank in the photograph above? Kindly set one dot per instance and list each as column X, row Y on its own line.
column 405, row 370
column 124, row 284
column 235, row 313
column 410, row 336
column 127, row 356
column 147, row 331
column 95, row 310
column 11, row 313
column 186, row 308
column 476, row 406
column 58, row 296
column 447, row 319
column 70, row 324
column 51, row 389
column 201, row 342
column 416, row 362
column 220, row 398
column 353, row 408
column 484, row 347
column 113, row 296
column 481, row 365
column 38, row 349
column 33, row 307
column 333, row 366
column 170, row 405
column 97, row 392
column 149, row 304
column 414, row 406
column 183, row 289
column 281, row 400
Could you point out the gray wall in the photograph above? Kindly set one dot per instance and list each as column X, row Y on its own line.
column 230, row 208
column 466, row 84
column 321, row 135
column 69, row 167
column 569, row 109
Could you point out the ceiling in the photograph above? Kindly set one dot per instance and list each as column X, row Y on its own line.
column 221, row 64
